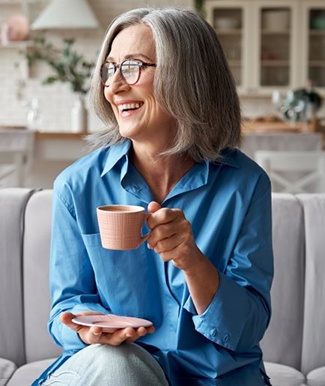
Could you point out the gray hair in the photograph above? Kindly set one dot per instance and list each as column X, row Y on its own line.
column 193, row 83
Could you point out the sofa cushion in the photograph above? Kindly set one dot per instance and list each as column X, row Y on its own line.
column 282, row 342
column 313, row 353
column 316, row 377
column 281, row 375
column 27, row 374
column 6, row 369
column 12, row 203
column 36, row 279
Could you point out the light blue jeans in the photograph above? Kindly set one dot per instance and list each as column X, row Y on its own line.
column 104, row 365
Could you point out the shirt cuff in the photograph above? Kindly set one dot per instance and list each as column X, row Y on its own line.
column 220, row 322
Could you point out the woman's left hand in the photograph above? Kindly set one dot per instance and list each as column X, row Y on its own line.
column 95, row 334
column 172, row 237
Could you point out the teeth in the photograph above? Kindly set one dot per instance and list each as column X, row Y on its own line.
column 128, row 106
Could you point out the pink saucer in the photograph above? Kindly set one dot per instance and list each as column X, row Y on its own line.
column 110, row 322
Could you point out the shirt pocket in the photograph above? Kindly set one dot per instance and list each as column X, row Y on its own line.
column 92, row 240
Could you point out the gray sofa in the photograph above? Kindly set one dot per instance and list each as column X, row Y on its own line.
column 294, row 345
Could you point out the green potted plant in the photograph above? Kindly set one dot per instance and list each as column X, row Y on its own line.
column 301, row 104
column 68, row 66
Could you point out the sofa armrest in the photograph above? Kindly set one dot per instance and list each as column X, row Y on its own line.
column 313, row 351
column 38, row 214
column 282, row 342
column 12, row 205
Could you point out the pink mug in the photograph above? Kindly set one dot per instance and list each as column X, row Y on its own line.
column 120, row 226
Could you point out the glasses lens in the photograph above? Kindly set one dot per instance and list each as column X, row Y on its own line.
column 130, row 69
column 107, row 71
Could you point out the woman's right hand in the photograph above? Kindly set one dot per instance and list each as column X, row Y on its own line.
column 95, row 334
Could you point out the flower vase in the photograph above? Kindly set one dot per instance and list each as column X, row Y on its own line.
column 79, row 116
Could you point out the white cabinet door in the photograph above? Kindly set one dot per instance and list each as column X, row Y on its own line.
column 262, row 42
column 230, row 21
column 276, row 33
column 313, row 43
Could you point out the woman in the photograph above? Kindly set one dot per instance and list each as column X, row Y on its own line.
column 165, row 93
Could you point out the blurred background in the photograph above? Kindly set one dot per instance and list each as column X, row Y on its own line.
column 20, row 85
column 275, row 48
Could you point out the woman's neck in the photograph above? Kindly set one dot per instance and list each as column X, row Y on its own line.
column 161, row 173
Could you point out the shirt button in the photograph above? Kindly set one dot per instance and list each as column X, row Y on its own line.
column 214, row 332
column 226, row 338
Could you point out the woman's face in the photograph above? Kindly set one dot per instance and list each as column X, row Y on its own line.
column 137, row 112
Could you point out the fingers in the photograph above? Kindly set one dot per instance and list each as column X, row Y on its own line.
column 153, row 207
column 66, row 318
column 169, row 229
column 163, row 216
column 128, row 334
column 172, row 237
column 86, row 334
column 95, row 334
column 116, row 338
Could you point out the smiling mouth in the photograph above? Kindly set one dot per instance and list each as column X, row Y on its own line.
column 129, row 106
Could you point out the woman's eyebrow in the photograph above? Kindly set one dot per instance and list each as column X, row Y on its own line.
column 130, row 56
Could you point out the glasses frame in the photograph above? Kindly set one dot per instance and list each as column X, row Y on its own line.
column 117, row 66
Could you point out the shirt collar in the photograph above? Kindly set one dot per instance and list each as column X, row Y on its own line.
column 114, row 154
column 229, row 158
column 119, row 151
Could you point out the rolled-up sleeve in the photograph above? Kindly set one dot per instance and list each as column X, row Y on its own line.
column 240, row 311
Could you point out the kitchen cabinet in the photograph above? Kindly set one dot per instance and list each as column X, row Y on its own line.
column 313, row 42
column 271, row 44
column 229, row 19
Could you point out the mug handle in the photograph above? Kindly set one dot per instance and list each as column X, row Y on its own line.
column 145, row 237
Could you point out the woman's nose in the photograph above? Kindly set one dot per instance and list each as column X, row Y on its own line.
column 116, row 86
column 117, row 82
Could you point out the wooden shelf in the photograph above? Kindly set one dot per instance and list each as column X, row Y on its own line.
column 15, row 45
column 59, row 135
column 264, row 127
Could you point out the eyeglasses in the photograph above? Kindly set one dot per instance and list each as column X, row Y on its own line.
column 130, row 70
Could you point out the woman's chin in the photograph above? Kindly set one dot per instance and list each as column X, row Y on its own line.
column 132, row 132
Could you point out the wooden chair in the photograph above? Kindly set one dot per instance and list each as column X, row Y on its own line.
column 294, row 171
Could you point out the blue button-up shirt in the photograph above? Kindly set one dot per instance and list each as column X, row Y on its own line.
column 228, row 204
